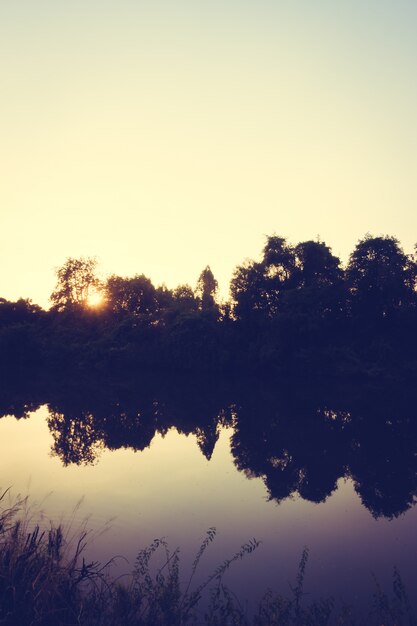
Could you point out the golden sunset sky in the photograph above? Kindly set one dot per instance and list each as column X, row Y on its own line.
column 163, row 136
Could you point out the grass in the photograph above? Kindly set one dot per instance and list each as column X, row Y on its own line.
column 45, row 580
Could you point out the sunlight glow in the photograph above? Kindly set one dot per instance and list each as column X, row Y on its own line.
column 95, row 299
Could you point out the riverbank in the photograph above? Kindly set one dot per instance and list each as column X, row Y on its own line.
column 46, row 580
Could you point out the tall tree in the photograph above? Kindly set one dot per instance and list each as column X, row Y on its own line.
column 135, row 295
column 316, row 265
column 380, row 276
column 76, row 280
column 279, row 260
column 247, row 289
column 206, row 289
column 257, row 287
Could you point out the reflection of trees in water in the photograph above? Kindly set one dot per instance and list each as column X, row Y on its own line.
column 76, row 438
column 13, row 402
column 298, row 440
column 297, row 448
column 292, row 449
column 79, row 436
column 84, row 423
column 383, row 465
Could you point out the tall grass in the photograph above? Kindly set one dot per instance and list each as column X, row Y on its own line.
column 36, row 585
column 45, row 580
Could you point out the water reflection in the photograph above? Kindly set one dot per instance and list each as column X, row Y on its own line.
column 299, row 439
column 304, row 445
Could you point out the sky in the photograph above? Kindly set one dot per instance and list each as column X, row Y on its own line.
column 164, row 136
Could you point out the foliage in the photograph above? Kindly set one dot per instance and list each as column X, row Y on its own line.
column 184, row 301
column 19, row 312
column 259, row 288
column 294, row 310
column 316, row 265
column 136, row 296
column 381, row 277
column 75, row 281
column 206, row 289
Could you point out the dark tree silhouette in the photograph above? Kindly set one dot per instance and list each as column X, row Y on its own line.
column 294, row 311
column 381, row 277
column 136, row 296
column 279, row 259
column 319, row 292
column 164, row 297
column 184, row 300
column 257, row 287
column 316, row 265
column 206, row 289
column 247, row 290
column 76, row 280
column 20, row 312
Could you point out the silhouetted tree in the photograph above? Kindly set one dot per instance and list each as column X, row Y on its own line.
column 279, row 259
column 184, row 299
column 136, row 296
column 183, row 302
column 20, row 312
column 257, row 287
column 164, row 297
column 316, row 265
column 292, row 311
column 320, row 291
column 247, row 290
column 76, row 281
column 206, row 289
column 380, row 276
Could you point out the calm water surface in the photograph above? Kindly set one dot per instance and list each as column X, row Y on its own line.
column 322, row 480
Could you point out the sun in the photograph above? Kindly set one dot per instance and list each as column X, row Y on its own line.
column 95, row 299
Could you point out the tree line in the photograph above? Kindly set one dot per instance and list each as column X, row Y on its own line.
column 294, row 310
